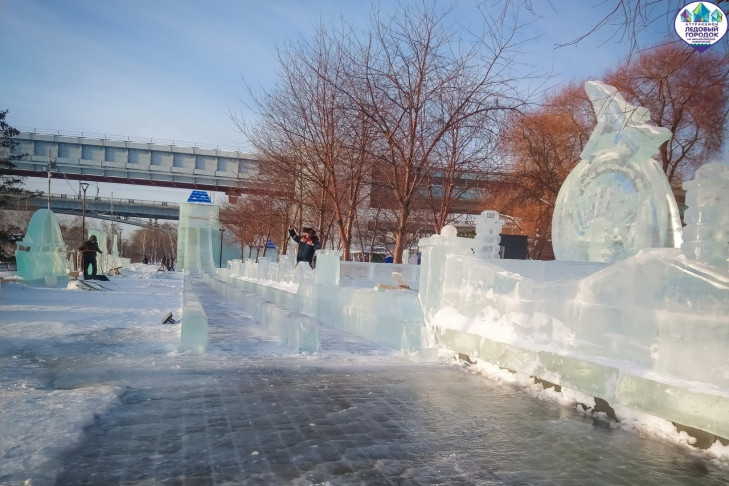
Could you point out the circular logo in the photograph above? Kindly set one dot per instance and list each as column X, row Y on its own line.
column 701, row 24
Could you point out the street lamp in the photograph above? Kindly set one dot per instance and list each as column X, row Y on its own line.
column 51, row 165
column 220, row 257
column 84, row 186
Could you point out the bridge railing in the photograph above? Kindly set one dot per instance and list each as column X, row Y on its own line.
column 120, row 200
column 127, row 138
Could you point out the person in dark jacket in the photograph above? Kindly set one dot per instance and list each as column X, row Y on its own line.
column 308, row 244
column 88, row 250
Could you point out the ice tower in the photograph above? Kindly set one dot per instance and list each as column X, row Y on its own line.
column 488, row 229
column 198, row 221
column 41, row 254
column 617, row 200
column 706, row 234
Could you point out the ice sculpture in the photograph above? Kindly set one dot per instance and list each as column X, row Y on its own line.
column 41, row 254
column 706, row 235
column 198, row 221
column 114, row 259
column 617, row 200
column 488, row 229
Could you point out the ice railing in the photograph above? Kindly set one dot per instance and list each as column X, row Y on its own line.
column 364, row 299
column 285, row 274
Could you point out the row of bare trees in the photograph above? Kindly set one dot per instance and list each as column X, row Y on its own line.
column 393, row 119
column 387, row 132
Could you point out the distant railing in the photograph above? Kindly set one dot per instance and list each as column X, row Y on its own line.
column 120, row 200
column 155, row 141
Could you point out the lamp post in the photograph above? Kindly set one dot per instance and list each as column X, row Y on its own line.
column 220, row 257
column 84, row 186
column 51, row 165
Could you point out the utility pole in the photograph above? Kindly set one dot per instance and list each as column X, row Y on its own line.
column 51, row 165
column 220, row 257
column 84, row 186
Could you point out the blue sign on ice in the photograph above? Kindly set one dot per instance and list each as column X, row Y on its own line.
column 199, row 197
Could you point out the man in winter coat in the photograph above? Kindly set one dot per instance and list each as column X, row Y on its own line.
column 308, row 244
column 88, row 250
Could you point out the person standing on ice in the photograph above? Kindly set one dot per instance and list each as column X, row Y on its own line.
column 88, row 250
column 308, row 244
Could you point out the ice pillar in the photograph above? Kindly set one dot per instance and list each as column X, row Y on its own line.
column 195, row 234
column 488, row 234
column 327, row 267
column 434, row 254
column 706, row 235
column 194, row 326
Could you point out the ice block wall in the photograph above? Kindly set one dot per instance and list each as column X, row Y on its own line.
column 340, row 294
column 650, row 332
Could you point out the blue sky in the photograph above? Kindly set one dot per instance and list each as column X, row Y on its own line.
column 174, row 69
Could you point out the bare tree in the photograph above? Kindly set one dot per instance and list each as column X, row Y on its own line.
column 628, row 19
column 416, row 81
column 255, row 219
column 305, row 132
column 464, row 161
column 543, row 147
column 153, row 243
column 685, row 93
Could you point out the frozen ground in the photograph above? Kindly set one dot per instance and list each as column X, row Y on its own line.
column 93, row 390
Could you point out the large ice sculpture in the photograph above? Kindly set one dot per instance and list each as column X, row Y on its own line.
column 198, row 221
column 617, row 200
column 706, row 235
column 41, row 254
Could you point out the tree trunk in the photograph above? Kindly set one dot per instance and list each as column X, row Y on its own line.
column 402, row 221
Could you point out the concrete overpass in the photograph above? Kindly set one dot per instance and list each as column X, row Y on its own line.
column 134, row 161
column 144, row 162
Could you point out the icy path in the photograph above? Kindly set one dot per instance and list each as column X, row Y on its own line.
column 247, row 412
